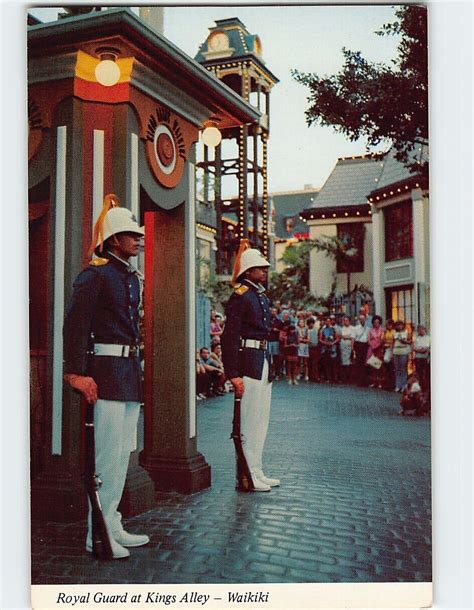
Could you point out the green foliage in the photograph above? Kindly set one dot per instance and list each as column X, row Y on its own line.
column 218, row 291
column 384, row 104
column 292, row 284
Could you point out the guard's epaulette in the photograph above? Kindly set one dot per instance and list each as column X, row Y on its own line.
column 98, row 261
column 241, row 289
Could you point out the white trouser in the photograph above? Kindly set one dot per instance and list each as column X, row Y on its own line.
column 254, row 417
column 115, row 426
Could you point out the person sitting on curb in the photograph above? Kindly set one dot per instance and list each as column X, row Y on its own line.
column 412, row 401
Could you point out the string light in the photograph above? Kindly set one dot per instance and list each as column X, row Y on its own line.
column 206, row 228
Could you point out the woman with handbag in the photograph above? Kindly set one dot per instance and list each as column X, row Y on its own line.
column 375, row 352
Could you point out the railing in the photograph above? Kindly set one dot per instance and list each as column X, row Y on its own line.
column 350, row 305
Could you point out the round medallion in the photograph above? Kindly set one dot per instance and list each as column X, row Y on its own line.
column 166, row 145
column 165, row 149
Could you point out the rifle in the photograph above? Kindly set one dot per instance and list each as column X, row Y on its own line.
column 101, row 546
column 244, row 479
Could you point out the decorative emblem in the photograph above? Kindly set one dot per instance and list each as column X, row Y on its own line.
column 165, row 146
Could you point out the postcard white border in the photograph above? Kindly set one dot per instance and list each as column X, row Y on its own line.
column 451, row 259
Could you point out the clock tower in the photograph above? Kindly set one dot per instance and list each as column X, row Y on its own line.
column 234, row 56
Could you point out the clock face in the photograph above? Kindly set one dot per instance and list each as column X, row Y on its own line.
column 218, row 41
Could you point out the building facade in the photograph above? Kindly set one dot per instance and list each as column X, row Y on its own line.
column 400, row 225
column 381, row 208
column 342, row 211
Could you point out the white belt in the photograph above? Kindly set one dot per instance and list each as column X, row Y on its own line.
column 111, row 349
column 254, row 343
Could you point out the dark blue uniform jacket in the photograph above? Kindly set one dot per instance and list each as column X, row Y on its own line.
column 247, row 317
column 104, row 309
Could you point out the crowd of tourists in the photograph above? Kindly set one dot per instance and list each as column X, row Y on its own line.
column 315, row 347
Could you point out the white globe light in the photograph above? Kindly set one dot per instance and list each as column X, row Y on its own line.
column 107, row 73
column 211, row 137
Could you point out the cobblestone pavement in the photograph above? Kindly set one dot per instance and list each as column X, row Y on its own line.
column 354, row 504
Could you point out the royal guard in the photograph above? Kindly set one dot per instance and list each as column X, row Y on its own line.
column 247, row 365
column 101, row 360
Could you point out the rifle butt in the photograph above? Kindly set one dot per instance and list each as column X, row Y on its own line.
column 243, row 477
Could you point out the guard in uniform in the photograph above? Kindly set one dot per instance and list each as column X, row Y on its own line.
column 101, row 357
column 246, row 359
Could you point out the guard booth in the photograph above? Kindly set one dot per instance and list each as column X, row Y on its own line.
column 115, row 107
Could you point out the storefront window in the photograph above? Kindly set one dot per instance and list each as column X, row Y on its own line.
column 400, row 304
column 352, row 234
column 398, row 231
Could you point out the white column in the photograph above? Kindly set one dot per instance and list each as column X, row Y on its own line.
column 322, row 268
column 133, row 194
column 419, row 249
column 58, row 316
column 134, row 174
column 97, row 174
column 190, row 253
column 377, row 260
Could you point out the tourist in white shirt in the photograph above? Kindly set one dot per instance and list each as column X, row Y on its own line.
column 347, row 347
column 421, row 349
column 360, row 350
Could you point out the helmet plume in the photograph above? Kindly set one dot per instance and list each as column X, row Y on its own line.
column 244, row 245
column 110, row 201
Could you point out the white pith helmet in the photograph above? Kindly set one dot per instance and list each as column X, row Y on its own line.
column 112, row 220
column 119, row 220
column 252, row 258
column 245, row 259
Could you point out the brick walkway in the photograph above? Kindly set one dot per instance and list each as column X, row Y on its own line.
column 354, row 505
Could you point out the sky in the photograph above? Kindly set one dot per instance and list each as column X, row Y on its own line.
column 308, row 38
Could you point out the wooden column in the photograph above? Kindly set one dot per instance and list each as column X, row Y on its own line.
column 170, row 454
column 57, row 490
